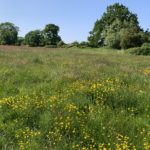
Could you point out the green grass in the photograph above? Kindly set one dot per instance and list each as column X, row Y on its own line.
column 73, row 99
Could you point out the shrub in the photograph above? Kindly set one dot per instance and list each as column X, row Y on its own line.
column 34, row 38
column 83, row 45
column 144, row 50
column 146, row 44
column 112, row 40
column 60, row 44
column 130, row 37
column 20, row 41
column 75, row 43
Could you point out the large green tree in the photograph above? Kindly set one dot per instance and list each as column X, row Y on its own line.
column 123, row 35
column 51, row 34
column 34, row 38
column 8, row 33
column 107, row 29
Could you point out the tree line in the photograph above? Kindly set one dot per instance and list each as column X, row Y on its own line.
column 117, row 28
column 47, row 36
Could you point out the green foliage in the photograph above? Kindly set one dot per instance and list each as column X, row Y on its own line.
column 75, row 44
column 144, row 50
column 34, row 38
column 51, row 46
column 113, row 40
column 123, row 35
column 117, row 28
column 20, row 41
column 146, row 45
column 83, row 44
column 130, row 37
column 48, row 37
column 60, row 44
column 8, row 33
column 51, row 34
column 147, row 36
column 112, row 36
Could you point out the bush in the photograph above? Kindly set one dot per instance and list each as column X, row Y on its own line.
column 112, row 40
column 146, row 44
column 74, row 44
column 130, row 37
column 144, row 50
column 83, row 45
column 78, row 45
column 71, row 46
column 60, row 44
column 20, row 41
column 34, row 38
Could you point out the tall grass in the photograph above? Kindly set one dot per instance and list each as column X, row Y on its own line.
column 74, row 99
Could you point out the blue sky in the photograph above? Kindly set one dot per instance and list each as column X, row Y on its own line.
column 74, row 17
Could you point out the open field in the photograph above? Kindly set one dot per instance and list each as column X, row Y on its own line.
column 88, row 99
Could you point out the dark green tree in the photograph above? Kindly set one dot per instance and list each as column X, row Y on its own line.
column 51, row 34
column 75, row 43
column 34, row 38
column 60, row 44
column 8, row 33
column 20, row 41
column 111, row 35
column 131, row 37
column 83, row 44
column 111, row 22
column 123, row 35
column 147, row 36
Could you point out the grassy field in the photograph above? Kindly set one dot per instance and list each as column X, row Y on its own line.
column 73, row 99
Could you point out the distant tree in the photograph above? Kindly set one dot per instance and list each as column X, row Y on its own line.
column 51, row 34
column 20, row 41
column 111, row 22
column 83, row 44
column 8, row 33
column 75, row 43
column 34, row 38
column 147, row 36
column 60, row 44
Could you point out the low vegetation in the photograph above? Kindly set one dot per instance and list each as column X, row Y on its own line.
column 80, row 99
column 144, row 50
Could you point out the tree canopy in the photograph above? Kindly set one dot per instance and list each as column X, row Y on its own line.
column 51, row 34
column 117, row 28
column 48, row 36
column 8, row 33
column 34, row 38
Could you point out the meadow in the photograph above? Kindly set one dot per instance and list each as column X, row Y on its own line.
column 73, row 99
